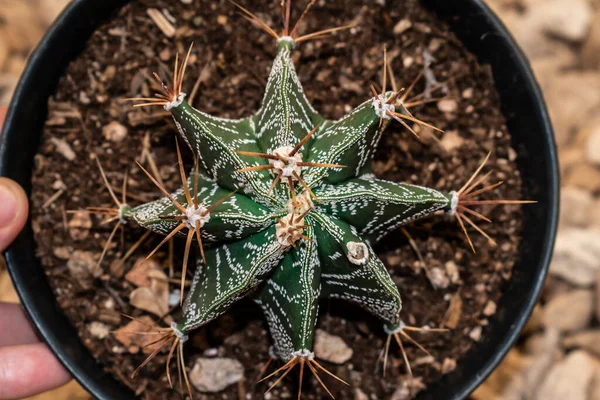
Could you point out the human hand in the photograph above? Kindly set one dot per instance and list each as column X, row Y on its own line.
column 27, row 367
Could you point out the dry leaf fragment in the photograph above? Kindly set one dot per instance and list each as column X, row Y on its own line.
column 155, row 297
column 139, row 273
column 147, row 299
column 135, row 335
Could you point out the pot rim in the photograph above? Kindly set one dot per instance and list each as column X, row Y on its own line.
column 77, row 359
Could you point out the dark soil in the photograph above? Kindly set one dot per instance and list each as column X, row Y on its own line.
column 233, row 60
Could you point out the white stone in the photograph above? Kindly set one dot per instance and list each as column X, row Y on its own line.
column 570, row 378
column 519, row 375
column 573, row 99
column 506, row 380
column 540, row 363
column 598, row 296
column 566, row 19
column 211, row 375
column 587, row 340
column 331, row 348
column 592, row 150
column 575, row 206
column 569, row 311
column 527, row 29
column 577, row 256
column 595, row 214
column 590, row 51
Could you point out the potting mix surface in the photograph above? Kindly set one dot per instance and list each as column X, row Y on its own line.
column 451, row 287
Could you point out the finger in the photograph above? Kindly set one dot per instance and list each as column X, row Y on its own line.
column 14, row 326
column 28, row 370
column 2, row 115
column 13, row 212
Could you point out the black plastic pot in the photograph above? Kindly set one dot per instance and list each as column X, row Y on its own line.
column 481, row 32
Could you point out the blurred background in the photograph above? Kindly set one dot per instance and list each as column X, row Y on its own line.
column 558, row 356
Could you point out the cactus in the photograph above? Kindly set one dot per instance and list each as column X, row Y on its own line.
column 285, row 208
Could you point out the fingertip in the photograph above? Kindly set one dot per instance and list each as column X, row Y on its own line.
column 14, row 211
column 15, row 328
column 28, row 370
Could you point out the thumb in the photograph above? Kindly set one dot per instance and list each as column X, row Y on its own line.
column 13, row 211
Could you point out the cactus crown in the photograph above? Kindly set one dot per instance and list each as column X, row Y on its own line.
column 285, row 207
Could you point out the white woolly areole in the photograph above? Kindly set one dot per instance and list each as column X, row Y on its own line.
column 381, row 107
column 453, row 203
column 289, row 230
column 175, row 103
column 180, row 335
column 304, row 353
column 286, row 165
column 288, row 39
column 303, row 204
column 399, row 329
column 194, row 215
column 358, row 253
column 122, row 209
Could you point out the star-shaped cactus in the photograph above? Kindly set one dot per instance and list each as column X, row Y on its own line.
column 286, row 209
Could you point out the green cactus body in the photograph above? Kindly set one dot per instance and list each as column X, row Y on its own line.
column 285, row 254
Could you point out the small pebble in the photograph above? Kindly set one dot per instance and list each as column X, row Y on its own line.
column 447, row 105
column 222, row 20
column 490, row 309
column 448, row 365
column 211, row 375
column 63, row 148
column 475, row 333
column 402, row 26
column 99, row 330
column 115, row 132
column 438, row 278
column 331, row 348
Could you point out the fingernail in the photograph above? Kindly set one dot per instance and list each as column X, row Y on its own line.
column 8, row 206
